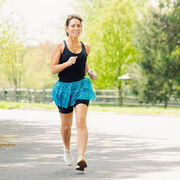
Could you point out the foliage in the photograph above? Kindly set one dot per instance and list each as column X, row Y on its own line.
column 37, row 64
column 109, row 31
column 11, row 51
column 34, row 67
column 156, row 76
column 21, row 66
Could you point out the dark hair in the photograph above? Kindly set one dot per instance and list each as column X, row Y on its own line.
column 72, row 16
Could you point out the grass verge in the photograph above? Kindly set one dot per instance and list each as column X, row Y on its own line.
column 137, row 109
column 92, row 107
column 22, row 105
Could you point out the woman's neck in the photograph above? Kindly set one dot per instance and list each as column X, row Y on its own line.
column 73, row 41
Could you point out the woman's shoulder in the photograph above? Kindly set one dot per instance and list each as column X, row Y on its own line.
column 59, row 47
column 87, row 47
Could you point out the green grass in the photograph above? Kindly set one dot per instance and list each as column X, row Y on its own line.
column 93, row 107
column 136, row 109
column 15, row 105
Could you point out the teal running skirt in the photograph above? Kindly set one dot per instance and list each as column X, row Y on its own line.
column 65, row 94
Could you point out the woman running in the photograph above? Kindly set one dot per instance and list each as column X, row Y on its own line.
column 73, row 90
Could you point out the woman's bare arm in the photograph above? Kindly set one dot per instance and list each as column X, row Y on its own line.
column 87, row 47
column 92, row 75
column 55, row 57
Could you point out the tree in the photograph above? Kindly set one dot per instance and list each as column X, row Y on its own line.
column 109, row 32
column 158, row 60
column 11, row 50
column 37, row 65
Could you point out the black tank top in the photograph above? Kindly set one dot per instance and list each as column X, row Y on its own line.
column 76, row 71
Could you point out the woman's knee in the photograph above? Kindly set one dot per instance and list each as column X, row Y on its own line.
column 81, row 123
column 65, row 127
column 66, row 121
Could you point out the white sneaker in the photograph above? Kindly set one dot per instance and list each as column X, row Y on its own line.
column 68, row 158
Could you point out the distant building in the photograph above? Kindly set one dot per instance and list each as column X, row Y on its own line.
column 124, row 77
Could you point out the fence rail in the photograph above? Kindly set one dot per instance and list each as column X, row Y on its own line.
column 103, row 97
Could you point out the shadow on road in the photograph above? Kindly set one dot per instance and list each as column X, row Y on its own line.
column 38, row 154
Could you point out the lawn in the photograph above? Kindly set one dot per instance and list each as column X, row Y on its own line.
column 93, row 107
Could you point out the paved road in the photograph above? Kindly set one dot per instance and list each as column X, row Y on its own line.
column 127, row 147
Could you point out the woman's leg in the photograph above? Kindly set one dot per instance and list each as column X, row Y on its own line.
column 66, row 123
column 82, row 132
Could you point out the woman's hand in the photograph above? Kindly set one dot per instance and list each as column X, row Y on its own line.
column 72, row 60
column 92, row 75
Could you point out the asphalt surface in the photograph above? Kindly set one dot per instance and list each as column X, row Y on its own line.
column 127, row 147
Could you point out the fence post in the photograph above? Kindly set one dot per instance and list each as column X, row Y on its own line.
column 34, row 96
column 44, row 96
column 15, row 94
column 120, row 94
column 28, row 95
column 4, row 94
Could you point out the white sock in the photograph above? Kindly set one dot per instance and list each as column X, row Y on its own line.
column 80, row 158
column 66, row 150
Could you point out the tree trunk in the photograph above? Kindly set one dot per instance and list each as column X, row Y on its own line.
column 120, row 88
column 120, row 94
column 165, row 101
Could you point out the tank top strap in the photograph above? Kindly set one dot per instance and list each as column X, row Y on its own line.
column 83, row 47
column 65, row 44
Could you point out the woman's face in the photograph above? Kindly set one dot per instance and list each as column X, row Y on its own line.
column 74, row 29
